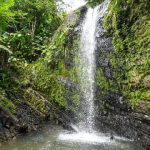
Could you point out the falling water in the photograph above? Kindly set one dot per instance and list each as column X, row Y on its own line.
column 87, row 64
column 85, row 131
column 86, row 70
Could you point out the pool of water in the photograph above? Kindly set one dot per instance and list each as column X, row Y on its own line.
column 51, row 138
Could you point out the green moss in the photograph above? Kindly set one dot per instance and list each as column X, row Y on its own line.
column 129, row 23
column 44, row 74
column 37, row 81
column 101, row 80
column 76, row 98
column 7, row 104
column 35, row 100
column 104, row 83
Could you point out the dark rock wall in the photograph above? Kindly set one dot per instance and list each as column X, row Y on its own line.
column 114, row 112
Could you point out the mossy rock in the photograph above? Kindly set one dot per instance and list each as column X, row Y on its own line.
column 128, row 22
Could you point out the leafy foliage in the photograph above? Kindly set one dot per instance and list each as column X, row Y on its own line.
column 128, row 21
column 94, row 2
column 6, row 103
column 25, row 31
column 35, row 50
column 5, row 13
column 32, row 23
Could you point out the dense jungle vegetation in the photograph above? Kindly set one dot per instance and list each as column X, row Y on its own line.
column 29, row 58
column 128, row 21
column 26, row 29
column 40, row 66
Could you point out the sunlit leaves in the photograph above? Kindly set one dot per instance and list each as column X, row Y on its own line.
column 5, row 13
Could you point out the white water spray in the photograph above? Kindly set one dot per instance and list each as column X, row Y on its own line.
column 86, row 70
column 86, row 73
column 87, row 64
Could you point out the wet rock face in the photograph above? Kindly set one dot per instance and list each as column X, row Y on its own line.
column 104, row 48
column 26, row 120
column 130, row 125
column 114, row 112
column 29, row 119
column 7, row 125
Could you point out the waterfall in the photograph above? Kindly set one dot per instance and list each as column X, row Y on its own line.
column 86, row 71
column 86, row 67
